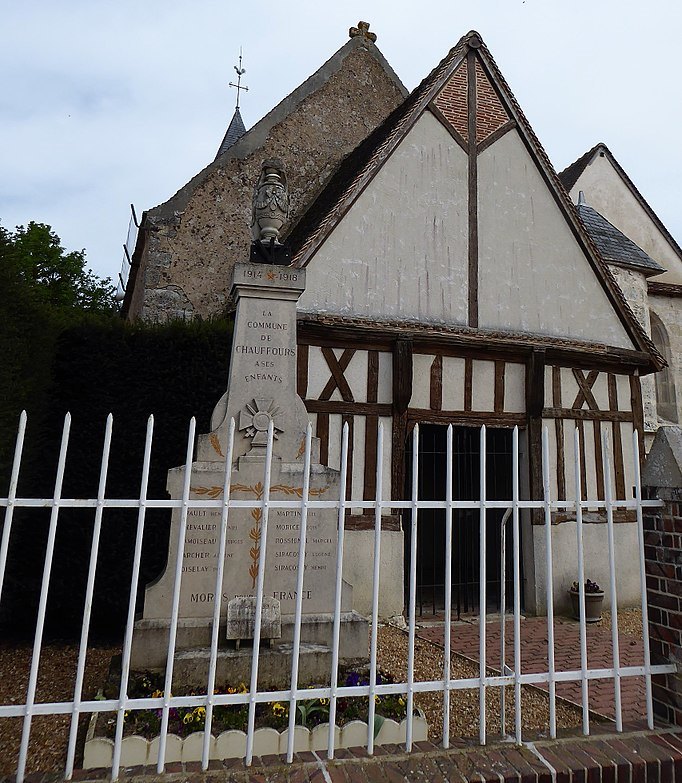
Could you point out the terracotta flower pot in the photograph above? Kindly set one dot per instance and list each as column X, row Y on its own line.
column 593, row 604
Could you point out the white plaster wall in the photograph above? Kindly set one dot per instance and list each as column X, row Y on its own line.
column 514, row 388
column 669, row 310
column 358, row 562
column 482, row 386
column 453, row 383
column 401, row 250
column 610, row 196
column 533, row 276
column 634, row 285
column 385, row 390
column 565, row 563
column 421, row 380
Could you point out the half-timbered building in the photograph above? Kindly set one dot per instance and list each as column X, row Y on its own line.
column 451, row 280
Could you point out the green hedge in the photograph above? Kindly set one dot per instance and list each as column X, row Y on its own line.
column 174, row 371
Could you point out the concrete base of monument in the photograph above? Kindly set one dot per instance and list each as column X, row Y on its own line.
column 193, row 638
column 274, row 666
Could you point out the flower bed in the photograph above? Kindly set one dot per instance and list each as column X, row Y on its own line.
column 187, row 724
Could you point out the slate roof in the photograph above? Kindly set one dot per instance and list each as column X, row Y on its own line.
column 614, row 246
column 235, row 130
column 570, row 175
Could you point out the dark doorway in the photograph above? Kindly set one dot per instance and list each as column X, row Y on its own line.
column 430, row 597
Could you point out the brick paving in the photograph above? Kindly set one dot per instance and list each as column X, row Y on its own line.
column 534, row 658
column 654, row 757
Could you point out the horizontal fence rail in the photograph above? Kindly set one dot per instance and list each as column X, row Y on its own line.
column 443, row 683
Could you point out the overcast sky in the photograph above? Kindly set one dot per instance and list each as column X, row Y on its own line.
column 107, row 103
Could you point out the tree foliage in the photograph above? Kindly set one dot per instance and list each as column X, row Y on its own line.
column 35, row 266
column 44, row 289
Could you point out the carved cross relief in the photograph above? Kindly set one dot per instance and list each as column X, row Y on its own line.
column 362, row 31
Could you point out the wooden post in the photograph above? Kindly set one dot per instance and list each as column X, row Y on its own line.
column 402, row 393
column 535, row 402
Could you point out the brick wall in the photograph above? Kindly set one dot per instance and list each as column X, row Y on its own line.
column 663, row 553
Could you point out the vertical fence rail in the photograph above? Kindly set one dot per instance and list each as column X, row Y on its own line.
column 581, row 582
column 87, row 608
column 413, row 586
column 265, row 511
column 516, row 544
column 220, row 570
column 296, row 649
column 447, row 629
column 175, row 607
column 482, row 613
column 612, row 582
column 549, row 578
column 42, row 603
column 642, row 580
column 132, row 596
column 376, row 575
column 336, row 632
column 11, row 497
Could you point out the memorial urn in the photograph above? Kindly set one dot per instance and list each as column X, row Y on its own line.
column 270, row 202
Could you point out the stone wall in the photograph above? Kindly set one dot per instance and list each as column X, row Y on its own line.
column 191, row 242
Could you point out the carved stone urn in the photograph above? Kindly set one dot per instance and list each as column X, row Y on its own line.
column 270, row 202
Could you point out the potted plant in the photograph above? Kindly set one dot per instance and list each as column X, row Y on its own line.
column 594, row 597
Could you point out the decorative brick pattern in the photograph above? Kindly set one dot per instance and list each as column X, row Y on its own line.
column 490, row 113
column 663, row 553
column 454, row 104
column 453, row 101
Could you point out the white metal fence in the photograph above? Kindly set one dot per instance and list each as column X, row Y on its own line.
column 445, row 683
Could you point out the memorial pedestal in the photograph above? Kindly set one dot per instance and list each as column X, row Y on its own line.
column 261, row 393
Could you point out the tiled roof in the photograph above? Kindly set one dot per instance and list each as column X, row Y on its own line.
column 235, row 131
column 613, row 245
column 569, row 176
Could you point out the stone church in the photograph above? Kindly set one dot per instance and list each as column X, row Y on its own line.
column 453, row 277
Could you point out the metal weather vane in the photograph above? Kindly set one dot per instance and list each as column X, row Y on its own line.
column 240, row 72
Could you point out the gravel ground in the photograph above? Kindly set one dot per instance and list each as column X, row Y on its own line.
column 49, row 734
column 464, row 704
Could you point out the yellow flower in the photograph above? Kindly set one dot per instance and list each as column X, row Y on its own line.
column 231, row 690
column 278, row 710
column 324, row 702
column 189, row 717
column 157, row 694
column 242, row 688
column 401, row 701
column 200, row 712
column 377, row 699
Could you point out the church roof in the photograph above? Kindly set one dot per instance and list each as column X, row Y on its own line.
column 235, row 130
column 614, row 246
column 357, row 170
column 571, row 174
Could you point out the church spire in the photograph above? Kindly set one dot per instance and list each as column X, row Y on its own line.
column 236, row 128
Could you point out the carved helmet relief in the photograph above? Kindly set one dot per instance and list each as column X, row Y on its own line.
column 255, row 418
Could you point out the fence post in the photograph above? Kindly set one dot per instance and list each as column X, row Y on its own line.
column 662, row 480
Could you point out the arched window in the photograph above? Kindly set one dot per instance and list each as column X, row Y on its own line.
column 666, row 404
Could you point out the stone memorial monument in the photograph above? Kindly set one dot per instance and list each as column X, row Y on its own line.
column 261, row 390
